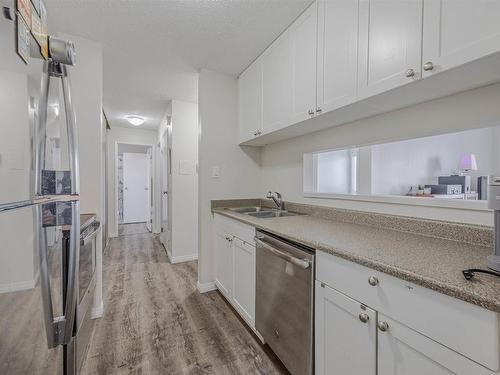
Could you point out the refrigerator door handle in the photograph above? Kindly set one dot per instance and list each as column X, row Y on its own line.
column 72, row 131
column 41, row 128
column 59, row 329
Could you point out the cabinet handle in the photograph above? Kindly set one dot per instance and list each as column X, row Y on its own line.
column 311, row 112
column 255, row 133
column 428, row 66
column 383, row 326
column 364, row 317
column 318, row 110
column 373, row 281
column 410, row 73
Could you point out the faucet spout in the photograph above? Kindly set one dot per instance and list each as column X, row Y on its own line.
column 276, row 197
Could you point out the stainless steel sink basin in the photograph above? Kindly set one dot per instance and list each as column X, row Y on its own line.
column 273, row 213
column 247, row 210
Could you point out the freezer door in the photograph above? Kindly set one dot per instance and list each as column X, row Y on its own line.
column 38, row 140
column 36, row 301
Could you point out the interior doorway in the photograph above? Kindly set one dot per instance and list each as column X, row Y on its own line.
column 166, row 186
column 134, row 185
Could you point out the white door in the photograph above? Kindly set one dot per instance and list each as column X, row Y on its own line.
column 250, row 102
column 149, row 212
column 135, row 184
column 303, row 37
column 337, row 53
column 346, row 335
column 456, row 32
column 277, row 84
column 403, row 351
column 166, row 191
column 224, row 264
column 244, row 279
column 390, row 44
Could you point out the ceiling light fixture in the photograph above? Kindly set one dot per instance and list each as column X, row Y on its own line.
column 135, row 120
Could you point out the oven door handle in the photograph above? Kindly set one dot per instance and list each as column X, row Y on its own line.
column 302, row 263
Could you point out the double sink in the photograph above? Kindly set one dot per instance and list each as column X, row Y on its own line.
column 263, row 212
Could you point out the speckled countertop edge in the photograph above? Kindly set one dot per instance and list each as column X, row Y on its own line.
column 484, row 291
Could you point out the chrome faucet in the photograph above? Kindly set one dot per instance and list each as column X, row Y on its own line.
column 276, row 197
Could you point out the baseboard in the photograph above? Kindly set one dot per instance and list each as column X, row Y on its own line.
column 206, row 287
column 97, row 311
column 182, row 258
column 19, row 285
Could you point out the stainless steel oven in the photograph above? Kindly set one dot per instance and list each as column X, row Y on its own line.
column 284, row 300
column 77, row 349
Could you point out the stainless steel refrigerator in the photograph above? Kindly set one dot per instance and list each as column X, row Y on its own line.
column 39, row 187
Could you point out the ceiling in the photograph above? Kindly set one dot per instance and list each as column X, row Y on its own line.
column 153, row 49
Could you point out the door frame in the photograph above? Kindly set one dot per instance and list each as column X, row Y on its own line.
column 115, row 213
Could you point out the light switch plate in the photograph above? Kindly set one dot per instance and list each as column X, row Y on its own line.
column 216, row 172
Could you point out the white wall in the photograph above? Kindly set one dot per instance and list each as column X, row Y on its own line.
column 122, row 135
column 218, row 147
column 184, row 181
column 86, row 85
column 398, row 165
column 282, row 162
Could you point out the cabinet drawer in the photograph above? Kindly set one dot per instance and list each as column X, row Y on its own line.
column 463, row 327
column 225, row 225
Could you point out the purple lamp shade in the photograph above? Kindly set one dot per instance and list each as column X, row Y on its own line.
column 468, row 163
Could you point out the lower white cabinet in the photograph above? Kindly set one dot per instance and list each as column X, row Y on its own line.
column 223, row 264
column 367, row 322
column 346, row 333
column 244, row 279
column 235, row 265
column 403, row 351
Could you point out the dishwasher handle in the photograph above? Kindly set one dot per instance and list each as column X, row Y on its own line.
column 302, row 263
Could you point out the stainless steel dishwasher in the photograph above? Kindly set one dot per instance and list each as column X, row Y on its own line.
column 284, row 313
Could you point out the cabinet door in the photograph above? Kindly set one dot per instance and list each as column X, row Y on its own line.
column 244, row 279
column 250, row 102
column 277, row 84
column 456, row 32
column 337, row 53
column 304, row 45
column 224, row 264
column 345, row 334
column 390, row 44
column 402, row 351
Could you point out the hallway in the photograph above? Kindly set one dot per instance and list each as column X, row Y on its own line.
column 156, row 322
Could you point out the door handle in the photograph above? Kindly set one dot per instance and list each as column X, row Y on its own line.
column 59, row 330
column 302, row 263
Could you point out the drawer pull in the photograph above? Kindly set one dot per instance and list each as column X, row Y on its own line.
column 373, row 281
column 383, row 326
column 364, row 317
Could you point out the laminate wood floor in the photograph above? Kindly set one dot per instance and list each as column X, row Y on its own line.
column 156, row 322
column 133, row 228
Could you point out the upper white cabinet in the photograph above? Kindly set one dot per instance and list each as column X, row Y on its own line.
column 303, row 36
column 277, row 83
column 390, row 44
column 338, row 23
column 456, row 32
column 289, row 74
column 344, row 60
column 250, row 102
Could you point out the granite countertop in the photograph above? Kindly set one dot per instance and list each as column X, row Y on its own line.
column 432, row 262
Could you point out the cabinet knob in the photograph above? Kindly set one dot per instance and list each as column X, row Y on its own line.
column 318, row 110
column 311, row 112
column 373, row 281
column 410, row 73
column 364, row 317
column 428, row 66
column 383, row 326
